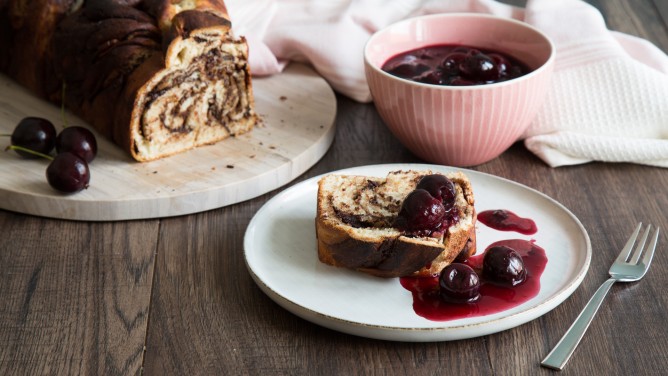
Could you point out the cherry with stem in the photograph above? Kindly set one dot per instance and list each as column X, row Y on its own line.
column 33, row 133
column 67, row 172
column 75, row 139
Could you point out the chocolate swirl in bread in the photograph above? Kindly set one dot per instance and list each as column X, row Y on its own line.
column 354, row 225
column 156, row 77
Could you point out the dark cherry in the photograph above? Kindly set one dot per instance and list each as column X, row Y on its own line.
column 439, row 187
column 35, row 134
column 459, row 283
column 412, row 70
column 479, row 67
column 68, row 173
column 77, row 140
column 420, row 211
column 454, row 65
column 450, row 64
column 501, row 62
column 504, row 266
column 434, row 77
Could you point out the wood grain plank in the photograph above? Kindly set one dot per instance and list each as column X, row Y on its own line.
column 208, row 317
column 662, row 10
column 75, row 295
column 232, row 327
column 642, row 18
column 609, row 200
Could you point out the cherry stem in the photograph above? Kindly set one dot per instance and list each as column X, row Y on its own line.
column 5, row 135
column 16, row 147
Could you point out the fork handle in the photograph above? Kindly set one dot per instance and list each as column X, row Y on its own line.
column 560, row 354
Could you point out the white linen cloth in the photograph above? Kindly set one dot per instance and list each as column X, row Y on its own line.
column 609, row 94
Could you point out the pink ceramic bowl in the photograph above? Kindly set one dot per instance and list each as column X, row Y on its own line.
column 459, row 125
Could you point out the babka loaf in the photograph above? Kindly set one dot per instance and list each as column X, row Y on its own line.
column 362, row 222
column 157, row 77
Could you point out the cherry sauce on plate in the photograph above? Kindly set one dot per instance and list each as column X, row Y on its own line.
column 505, row 220
column 494, row 298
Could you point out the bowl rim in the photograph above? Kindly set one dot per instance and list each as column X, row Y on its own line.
column 547, row 65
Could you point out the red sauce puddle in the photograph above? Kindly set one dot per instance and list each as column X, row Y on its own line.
column 505, row 220
column 428, row 304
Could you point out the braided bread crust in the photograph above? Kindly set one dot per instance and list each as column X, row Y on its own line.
column 156, row 77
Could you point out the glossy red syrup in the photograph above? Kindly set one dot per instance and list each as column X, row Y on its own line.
column 455, row 65
column 428, row 304
column 505, row 220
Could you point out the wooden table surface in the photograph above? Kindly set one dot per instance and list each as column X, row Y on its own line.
column 173, row 296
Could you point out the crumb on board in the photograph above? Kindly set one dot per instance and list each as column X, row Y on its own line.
column 230, row 166
column 283, row 98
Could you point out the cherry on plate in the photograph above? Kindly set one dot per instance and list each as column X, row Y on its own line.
column 420, row 211
column 504, row 266
column 459, row 283
column 439, row 186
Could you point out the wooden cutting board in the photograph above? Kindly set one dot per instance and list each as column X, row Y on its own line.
column 297, row 108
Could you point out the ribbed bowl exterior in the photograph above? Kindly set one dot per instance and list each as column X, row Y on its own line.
column 457, row 127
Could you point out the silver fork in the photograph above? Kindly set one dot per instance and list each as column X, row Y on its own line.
column 628, row 267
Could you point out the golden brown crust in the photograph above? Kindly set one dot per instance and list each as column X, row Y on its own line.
column 383, row 257
column 461, row 242
column 166, row 12
column 390, row 253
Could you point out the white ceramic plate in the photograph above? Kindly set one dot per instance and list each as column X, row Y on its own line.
column 281, row 255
